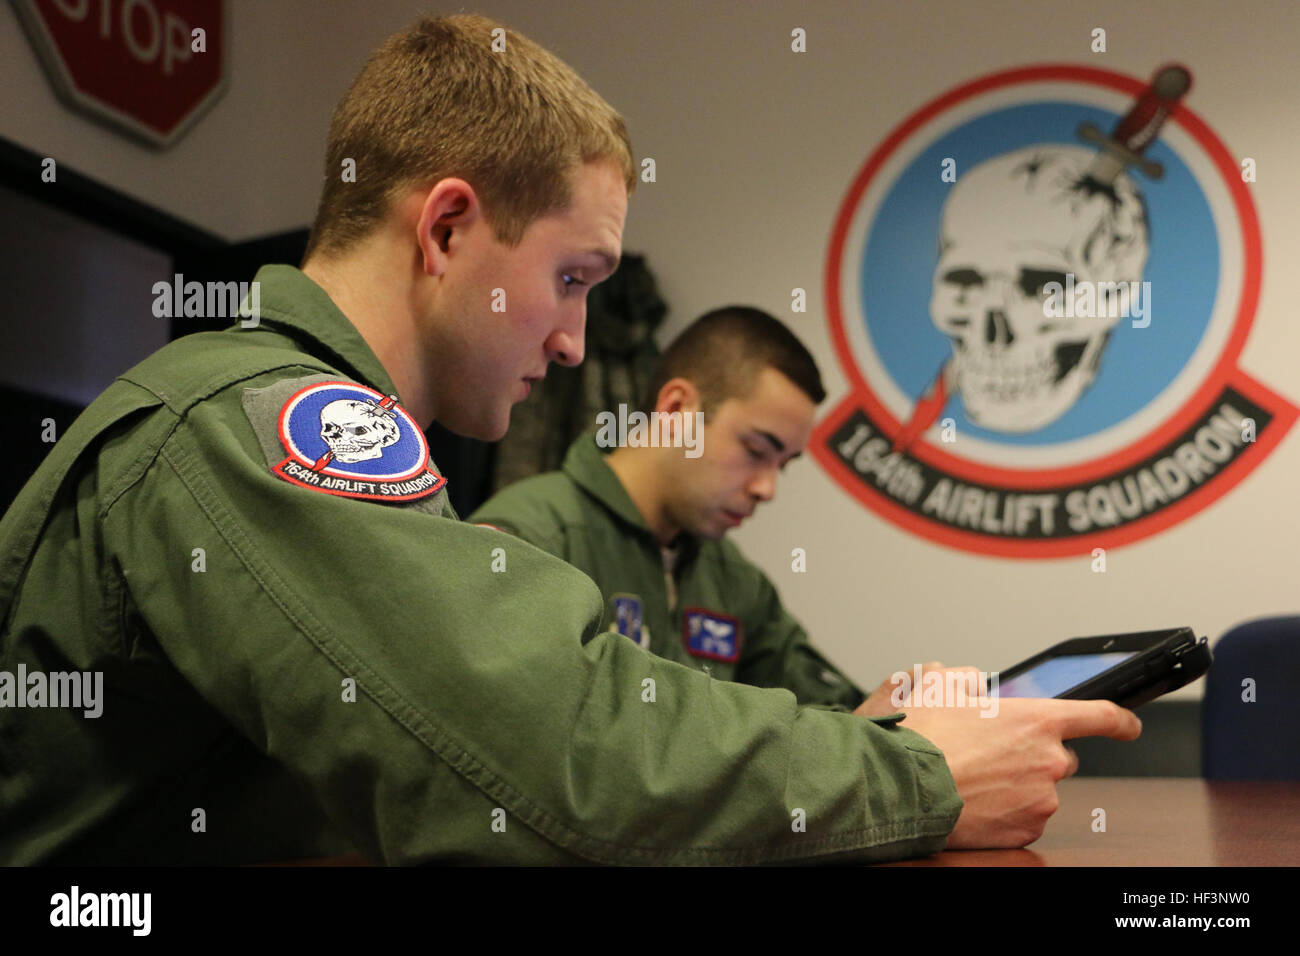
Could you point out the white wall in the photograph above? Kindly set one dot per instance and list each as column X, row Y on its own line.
column 755, row 148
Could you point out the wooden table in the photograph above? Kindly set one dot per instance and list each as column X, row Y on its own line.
column 1150, row 821
column 1157, row 821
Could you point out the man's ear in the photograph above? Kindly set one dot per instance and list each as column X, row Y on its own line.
column 444, row 212
column 678, row 395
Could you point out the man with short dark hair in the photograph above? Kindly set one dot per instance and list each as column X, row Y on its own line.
column 646, row 521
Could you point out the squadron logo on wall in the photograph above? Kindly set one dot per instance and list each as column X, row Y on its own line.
column 1038, row 286
column 349, row 440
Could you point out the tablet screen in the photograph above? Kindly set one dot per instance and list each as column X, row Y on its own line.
column 1058, row 674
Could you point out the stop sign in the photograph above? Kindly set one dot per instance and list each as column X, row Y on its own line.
column 149, row 66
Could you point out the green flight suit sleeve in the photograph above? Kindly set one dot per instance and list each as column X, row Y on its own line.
column 525, row 521
column 490, row 722
column 777, row 653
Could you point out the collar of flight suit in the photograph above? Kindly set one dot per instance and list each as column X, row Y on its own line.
column 585, row 464
column 292, row 303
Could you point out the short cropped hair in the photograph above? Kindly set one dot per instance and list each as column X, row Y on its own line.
column 723, row 352
column 436, row 101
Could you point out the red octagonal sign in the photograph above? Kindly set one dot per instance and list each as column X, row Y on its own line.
column 149, row 66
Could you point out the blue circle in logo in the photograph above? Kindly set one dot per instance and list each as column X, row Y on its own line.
column 390, row 445
column 901, row 251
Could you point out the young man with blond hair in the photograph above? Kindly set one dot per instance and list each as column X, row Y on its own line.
column 304, row 652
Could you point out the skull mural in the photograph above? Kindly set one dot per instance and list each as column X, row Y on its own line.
column 1011, row 225
column 356, row 430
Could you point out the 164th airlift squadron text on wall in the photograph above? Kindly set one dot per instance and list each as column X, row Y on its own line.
column 1158, row 482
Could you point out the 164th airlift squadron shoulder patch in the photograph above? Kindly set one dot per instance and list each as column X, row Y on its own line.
column 345, row 439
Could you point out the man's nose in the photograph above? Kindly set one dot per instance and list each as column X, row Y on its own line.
column 763, row 486
column 567, row 344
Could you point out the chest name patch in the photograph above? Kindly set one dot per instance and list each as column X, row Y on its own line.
column 347, row 439
column 712, row 635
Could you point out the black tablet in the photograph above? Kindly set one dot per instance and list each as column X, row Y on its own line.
column 1129, row 669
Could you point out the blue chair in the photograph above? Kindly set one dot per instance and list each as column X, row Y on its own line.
column 1260, row 739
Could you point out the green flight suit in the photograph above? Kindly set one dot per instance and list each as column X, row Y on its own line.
column 583, row 514
column 292, row 673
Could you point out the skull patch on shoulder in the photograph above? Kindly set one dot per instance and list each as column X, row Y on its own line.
column 347, row 439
